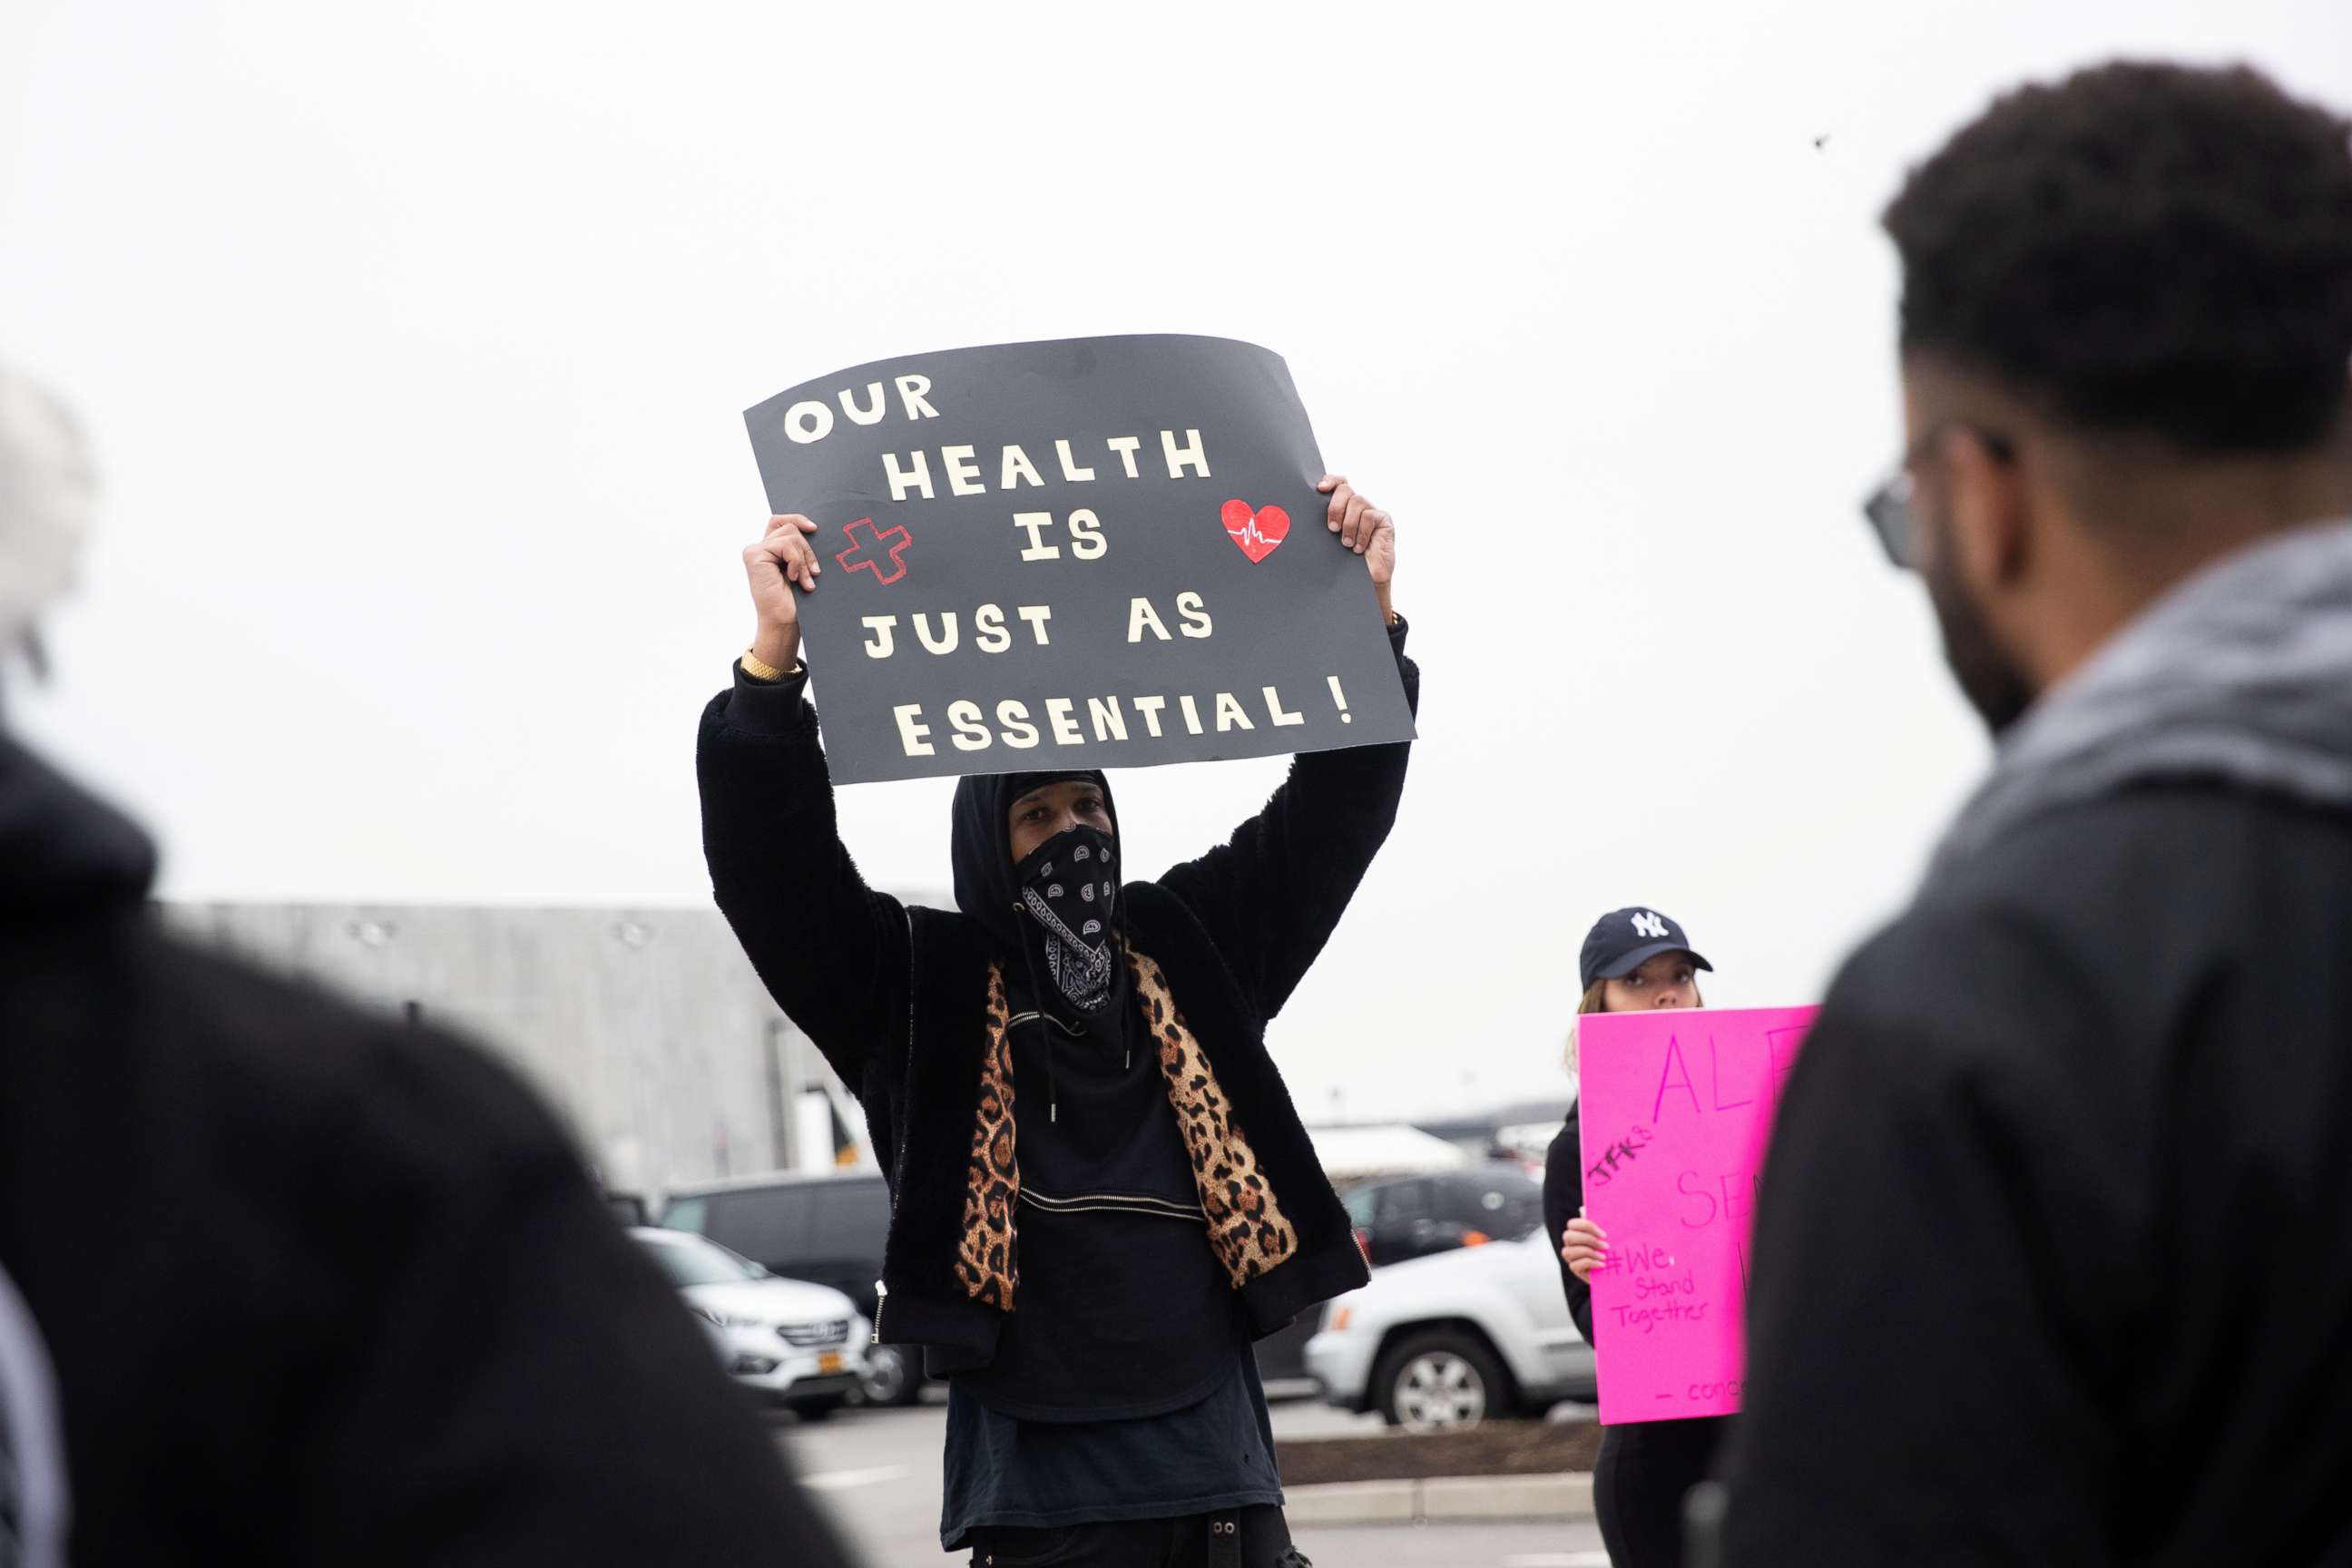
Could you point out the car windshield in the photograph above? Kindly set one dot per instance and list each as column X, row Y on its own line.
column 699, row 1263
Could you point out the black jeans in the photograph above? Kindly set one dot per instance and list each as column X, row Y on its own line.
column 1229, row 1537
column 1646, row 1469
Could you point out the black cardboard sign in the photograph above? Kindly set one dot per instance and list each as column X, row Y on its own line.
column 1095, row 553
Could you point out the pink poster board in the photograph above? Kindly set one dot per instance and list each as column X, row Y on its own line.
column 1677, row 1106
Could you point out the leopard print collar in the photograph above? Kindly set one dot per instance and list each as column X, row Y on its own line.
column 1248, row 1230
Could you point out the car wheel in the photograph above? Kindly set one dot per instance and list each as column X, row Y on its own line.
column 1443, row 1381
column 819, row 1409
column 889, row 1378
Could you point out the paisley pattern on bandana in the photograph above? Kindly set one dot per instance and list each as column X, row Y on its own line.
column 1069, row 891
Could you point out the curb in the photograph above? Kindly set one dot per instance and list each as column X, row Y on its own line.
column 1565, row 1496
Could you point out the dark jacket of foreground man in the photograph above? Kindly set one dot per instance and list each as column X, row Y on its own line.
column 2053, row 1257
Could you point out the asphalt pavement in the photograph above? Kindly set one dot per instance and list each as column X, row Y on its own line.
column 876, row 1472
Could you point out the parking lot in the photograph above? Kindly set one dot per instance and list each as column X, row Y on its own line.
column 877, row 1472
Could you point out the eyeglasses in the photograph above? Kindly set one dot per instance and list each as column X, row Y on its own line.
column 1888, row 507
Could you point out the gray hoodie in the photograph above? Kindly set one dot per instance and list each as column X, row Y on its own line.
column 2241, row 675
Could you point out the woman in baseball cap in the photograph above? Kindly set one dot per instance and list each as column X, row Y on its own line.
column 1634, row 958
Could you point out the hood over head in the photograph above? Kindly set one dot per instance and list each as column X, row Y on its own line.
column 61, row 849
column 989, row 887
column 980, row 844
column 45, row 492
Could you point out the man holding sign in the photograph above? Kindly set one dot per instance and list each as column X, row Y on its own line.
column 1100, row 1191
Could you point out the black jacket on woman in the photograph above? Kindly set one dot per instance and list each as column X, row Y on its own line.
column 1646, row 1469
column 1563, row 1200
column 897, row 998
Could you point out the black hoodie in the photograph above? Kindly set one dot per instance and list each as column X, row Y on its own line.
column 988, row 886
column 1124, row 1311
column 310, row 1287
column 895, row 997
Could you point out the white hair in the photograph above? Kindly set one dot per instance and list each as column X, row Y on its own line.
column 45, row 492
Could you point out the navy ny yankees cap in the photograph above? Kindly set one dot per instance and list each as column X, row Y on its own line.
column 1623, row 939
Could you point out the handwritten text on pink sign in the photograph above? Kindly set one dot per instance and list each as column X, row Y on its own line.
column 1676, row 1110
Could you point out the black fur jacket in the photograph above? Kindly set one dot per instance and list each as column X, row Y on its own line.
column 897, row 998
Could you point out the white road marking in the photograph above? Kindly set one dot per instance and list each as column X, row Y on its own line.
column 842, row 1480
column 1557, row 1559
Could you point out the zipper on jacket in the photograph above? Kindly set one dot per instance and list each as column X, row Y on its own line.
column 1053, row 1092
column 1033, row 1016
column 906, row 1101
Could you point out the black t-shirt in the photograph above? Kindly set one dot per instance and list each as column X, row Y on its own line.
column 1217, row 1452
column 1563, row 1198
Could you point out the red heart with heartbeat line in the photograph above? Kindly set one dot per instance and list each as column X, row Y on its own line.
column 1257, row 533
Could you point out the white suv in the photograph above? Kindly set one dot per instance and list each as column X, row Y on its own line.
column 1448, row 1341
column 792, row 1342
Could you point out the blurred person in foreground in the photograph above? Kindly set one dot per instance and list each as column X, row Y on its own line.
column 2054, row 1255
column 281, row 1282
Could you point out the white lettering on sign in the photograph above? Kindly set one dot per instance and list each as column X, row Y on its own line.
column 963, row 474
column 1037, row 522
column 1194, row 614
column 1184, row 453
column 1019, row 470
column 912, row 391
column 1190, row 455
column 918, row 478
column 862, row 415
column 1141, row 617
column 1105, row 718
column 990, row 631
column 1086, row 540
column 806, row 422
column 811, row 419
column 912, row 730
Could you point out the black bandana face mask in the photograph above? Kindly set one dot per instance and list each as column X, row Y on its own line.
column 1068, row 889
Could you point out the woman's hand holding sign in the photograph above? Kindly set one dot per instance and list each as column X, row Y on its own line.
column 782, row 559
column 1366, row 530
column 1583, row 1246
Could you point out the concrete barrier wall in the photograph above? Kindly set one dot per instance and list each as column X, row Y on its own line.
column 646, row 1028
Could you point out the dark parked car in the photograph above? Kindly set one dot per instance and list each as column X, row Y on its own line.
column 829, row 1227
column 1413, row 1217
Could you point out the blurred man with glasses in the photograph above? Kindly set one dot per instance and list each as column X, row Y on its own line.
column 2054, row 1260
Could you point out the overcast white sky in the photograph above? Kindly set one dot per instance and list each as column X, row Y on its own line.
column 413, row 341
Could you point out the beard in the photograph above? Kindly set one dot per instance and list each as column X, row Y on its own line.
column 1991, row 681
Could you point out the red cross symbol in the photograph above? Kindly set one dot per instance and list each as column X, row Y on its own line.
column 865, row 551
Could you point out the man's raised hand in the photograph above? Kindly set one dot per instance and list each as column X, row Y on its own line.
column 1364, row 529
column 781, row 565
